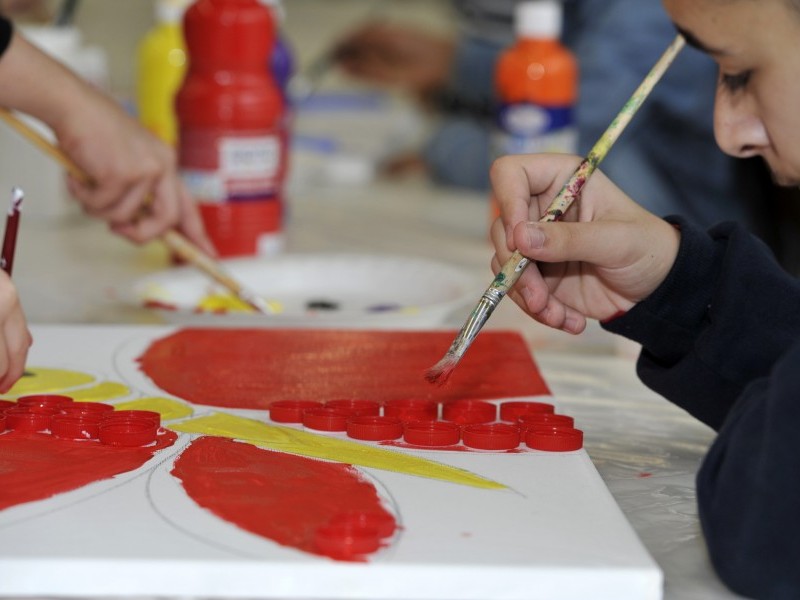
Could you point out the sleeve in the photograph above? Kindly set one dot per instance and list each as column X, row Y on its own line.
column 721, row 338
column 6, row 30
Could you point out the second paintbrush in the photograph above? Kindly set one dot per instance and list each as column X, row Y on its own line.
column 513, row 268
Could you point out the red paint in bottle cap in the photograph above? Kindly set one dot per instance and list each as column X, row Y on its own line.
column 291, row 411
column 356, row 408
column 51, row 400
column 30, row 419
column 491, row 436
column 346, row 541
column 466, row 412
column 128, row 433
column 374, row 428
column 325, row 419
column 529, row 421
column 509, row 411
column 2, row 421
column 87, row 408
column 432, row 433
column 148, row 416
column 383, row 522
column 555, row 439
column 75, row 427
column 411, row 409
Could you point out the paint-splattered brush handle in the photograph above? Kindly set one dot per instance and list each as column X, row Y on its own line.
column 571, row 191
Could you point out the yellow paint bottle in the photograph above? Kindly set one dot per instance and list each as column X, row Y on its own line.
column 161, row 65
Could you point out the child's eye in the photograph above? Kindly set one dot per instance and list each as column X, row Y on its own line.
column 735, row 82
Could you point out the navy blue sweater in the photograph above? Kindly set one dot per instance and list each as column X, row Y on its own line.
column 721, row 339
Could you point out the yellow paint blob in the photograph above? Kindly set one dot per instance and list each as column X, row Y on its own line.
column 168, row 408
column 225, row 303
column 295, row 441
column 106, row 390
column 38, row 380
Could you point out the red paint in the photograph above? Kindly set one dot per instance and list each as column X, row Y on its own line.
column 254, row 367
column 38, row 466
column 282, row 497
column 231, row 116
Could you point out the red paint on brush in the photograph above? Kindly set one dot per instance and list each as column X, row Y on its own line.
column 38, row 466
column 251, row 368
column 291, row 500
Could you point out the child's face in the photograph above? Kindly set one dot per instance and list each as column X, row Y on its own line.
column 756, row 44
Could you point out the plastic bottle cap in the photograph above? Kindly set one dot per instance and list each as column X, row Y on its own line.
column 411, row 409
column 30, row 418
column 355, row 407
column 4, row 404
column 532, row 420
column 87, row 408
column 291, row 411
column 136, row 432
column 383, row 522
column 491, row 436
column 374, row 428
column 148, row 416
column 467, row 412
column 432, row 433
column 75, row 427
column 554, row 439
column 2, row 421
column 51, row 400
column 538, row 19
column 171, row 11
column 509, row 411
column 325, row 419
column 346, row 540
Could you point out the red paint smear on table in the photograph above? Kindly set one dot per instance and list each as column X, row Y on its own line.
column 282, row 497
column 251, row 368
column 37, row 466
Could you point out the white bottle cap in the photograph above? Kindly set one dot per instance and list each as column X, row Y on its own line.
column 171, row 11
column 538, row 19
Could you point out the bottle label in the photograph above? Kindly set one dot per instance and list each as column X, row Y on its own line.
column 526, row 128
column 220, row 166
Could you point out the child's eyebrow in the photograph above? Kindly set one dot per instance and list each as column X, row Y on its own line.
column 693, row 41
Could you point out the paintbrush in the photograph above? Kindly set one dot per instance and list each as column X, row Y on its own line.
column 514, row 266
column 174, row 240
column 12, row 227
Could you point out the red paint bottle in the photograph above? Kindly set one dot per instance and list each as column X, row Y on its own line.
column 231, row 149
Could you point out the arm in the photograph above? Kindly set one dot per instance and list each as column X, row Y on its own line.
column 128, row 166
column 720, row 329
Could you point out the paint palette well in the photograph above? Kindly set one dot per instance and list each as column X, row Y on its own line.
column 315, row 290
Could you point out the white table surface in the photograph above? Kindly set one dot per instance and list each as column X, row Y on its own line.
column 71, row 270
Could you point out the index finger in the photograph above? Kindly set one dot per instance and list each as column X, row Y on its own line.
column 523, row 183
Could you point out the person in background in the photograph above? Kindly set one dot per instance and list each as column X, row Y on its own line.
column 135, row 186
column 718, row 318
column 665, row 159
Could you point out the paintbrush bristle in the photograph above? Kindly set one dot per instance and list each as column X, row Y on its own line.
column 441, row 371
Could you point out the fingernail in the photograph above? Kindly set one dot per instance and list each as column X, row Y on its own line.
column 535, row 236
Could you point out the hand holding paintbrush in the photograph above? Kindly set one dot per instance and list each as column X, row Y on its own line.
column 178, row 243
column 513, row 268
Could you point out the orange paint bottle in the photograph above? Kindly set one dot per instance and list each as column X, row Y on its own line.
column 536, row 82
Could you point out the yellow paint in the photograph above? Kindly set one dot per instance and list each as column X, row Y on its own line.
column 226, row 303
column 168, row 408
column 45, row 381
column 106, row 390
column 294, row 441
